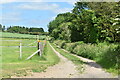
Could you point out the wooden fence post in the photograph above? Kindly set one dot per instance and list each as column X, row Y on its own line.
column 39, row 47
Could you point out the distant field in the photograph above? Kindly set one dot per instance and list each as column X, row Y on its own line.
column 13, row 65
column 17, row 35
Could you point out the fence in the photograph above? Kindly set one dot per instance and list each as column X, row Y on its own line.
column 40, row 47
column 20, row 46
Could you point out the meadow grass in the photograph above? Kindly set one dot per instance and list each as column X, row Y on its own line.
column 20, row 36
column 13, row 65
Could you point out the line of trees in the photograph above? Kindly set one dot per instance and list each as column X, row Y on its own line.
column 90, row 22
column 22, row 30
column 2, row 28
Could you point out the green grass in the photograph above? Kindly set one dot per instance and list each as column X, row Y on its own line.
column 12, row 65
column 71, row 57
column 17, row 35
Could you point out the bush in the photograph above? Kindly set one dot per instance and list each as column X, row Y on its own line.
column 70, row 46
column 51, row 39
column 110, row 59
column 60, row 43
column 85, row 50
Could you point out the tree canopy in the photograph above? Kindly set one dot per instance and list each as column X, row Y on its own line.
column 22, row 29
column 90, row 22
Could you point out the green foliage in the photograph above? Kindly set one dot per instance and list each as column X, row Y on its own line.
column 106, row 13
column 72, row 46
column 110, row 59
column 25, row 30
column 2, row 28
column 60, row 43
column 90, row 22
column 36, row 30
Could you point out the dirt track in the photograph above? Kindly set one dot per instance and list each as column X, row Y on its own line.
column 66, row 69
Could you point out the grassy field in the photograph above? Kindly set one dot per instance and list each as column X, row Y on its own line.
column 17, row 35
column 12, row 65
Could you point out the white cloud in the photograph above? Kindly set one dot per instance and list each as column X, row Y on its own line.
column 62, row 10
column 38, row 6
column 6, row 1
column 69, row 1
column 11, row 1
column 44, row 6
column 72, row 2
column 10, row 18
column 53, row 17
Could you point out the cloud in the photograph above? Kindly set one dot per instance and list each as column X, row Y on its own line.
column 44, row 6
column 38, row 6
column 53, row 17
column 6, row 1
column 72, row 2
column 62, row 10
column 11, row 1
column 69, row 1
column 10, row 18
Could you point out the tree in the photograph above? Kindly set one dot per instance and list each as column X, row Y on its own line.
column 0, row 27
column 3, row 28
column 89, row 22
column 25, row 30
column 105, row 12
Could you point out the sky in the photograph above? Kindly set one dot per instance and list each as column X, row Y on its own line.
column 32, row 13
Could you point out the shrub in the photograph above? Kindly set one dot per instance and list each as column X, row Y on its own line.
column 51, row 39
column 70, row 46
column 110, row 58
column 85, row 50
column 60, row 43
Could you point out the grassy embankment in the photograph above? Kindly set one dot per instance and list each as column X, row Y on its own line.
column 105, row 54
column 12, row 65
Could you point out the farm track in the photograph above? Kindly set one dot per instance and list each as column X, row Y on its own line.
column 66, row 69
column 92, row 69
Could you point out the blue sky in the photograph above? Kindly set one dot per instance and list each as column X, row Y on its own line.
column 32, row 14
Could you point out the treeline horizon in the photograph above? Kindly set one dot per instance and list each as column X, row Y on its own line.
column 23, row 30
column 90, row 22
